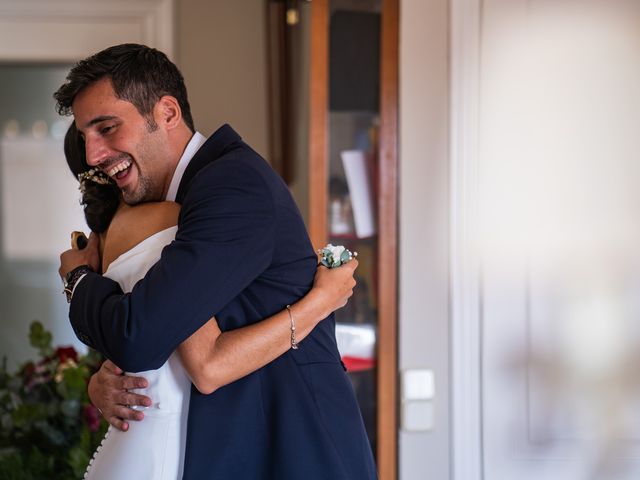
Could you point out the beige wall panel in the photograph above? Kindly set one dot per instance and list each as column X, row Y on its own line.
column 222, row 54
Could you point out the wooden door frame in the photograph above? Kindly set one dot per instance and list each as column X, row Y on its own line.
column 318, row 120
column 387, row 349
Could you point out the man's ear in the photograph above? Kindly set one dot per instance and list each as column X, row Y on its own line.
column 167, row 112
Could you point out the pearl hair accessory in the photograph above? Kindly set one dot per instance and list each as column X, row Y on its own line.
column 94, row 175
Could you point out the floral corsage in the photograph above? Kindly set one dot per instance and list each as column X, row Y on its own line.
column 335, row 255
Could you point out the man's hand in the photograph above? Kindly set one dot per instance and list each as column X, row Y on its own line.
column 108, row 391
column 90, row 255
column 335, row 285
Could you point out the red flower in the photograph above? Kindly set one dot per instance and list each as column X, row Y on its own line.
column 65, row 353
column 29, row 369
column 92, row 417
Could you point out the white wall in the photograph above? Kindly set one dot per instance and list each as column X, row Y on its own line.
column 424, row 225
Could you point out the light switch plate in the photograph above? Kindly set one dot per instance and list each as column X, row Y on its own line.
column 418, row 384
column 417, row 416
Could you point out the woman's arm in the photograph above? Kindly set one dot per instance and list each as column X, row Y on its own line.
column 213, row 358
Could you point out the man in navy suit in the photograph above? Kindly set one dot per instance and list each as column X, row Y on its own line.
column 241, row 253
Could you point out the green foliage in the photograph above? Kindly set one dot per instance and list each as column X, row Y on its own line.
column 40, row 339
column 49, row 429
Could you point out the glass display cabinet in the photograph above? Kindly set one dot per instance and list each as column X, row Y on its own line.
column 353, row 192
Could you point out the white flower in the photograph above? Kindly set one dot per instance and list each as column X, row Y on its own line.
column 336, row 250
column 335, row 255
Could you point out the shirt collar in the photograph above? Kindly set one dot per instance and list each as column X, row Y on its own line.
column 197, row 140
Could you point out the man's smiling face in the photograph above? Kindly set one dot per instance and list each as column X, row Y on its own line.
column 128, row 147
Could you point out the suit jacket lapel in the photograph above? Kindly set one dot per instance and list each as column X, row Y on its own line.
column 215, row 147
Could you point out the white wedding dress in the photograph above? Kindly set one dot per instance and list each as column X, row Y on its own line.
column 152, row 449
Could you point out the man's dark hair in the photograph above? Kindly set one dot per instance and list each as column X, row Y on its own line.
column 139, row 74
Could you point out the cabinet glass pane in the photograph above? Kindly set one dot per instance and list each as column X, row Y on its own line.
column 354, row 79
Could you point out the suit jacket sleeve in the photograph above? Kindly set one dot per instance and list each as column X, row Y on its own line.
column 224, row 241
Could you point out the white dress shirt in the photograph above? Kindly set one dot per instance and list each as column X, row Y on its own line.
column 192, row 147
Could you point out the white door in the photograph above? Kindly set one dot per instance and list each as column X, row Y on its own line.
column 555, row 177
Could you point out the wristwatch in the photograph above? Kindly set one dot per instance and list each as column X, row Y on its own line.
column 70, row 279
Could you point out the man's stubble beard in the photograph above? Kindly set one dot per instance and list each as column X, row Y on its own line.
column 147, row 190
column 141, row 194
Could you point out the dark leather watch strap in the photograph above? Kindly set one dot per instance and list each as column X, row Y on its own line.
column 71, row 278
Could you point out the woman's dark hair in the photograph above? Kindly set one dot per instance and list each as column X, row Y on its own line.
column 139, row 74
column 100, row 200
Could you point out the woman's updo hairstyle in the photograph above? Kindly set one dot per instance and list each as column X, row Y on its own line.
column 100, row 194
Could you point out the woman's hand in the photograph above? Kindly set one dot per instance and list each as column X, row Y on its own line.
column 90, row 255
column 334, row 286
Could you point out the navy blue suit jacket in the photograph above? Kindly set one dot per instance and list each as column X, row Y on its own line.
column 241, row 253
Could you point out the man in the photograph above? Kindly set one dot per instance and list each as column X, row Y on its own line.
column 241, row 253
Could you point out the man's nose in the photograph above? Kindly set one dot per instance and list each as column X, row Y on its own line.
column 96, row 152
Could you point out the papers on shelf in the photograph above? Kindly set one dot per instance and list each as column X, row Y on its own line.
column 40, row 199
column 359, row 182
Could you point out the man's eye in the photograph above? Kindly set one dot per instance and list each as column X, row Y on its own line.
column 105, row 130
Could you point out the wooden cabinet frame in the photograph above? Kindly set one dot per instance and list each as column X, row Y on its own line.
column 387, row 363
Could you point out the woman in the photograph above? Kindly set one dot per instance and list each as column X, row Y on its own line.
column 131, row 239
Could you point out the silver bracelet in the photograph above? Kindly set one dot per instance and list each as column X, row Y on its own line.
column 294, row 344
